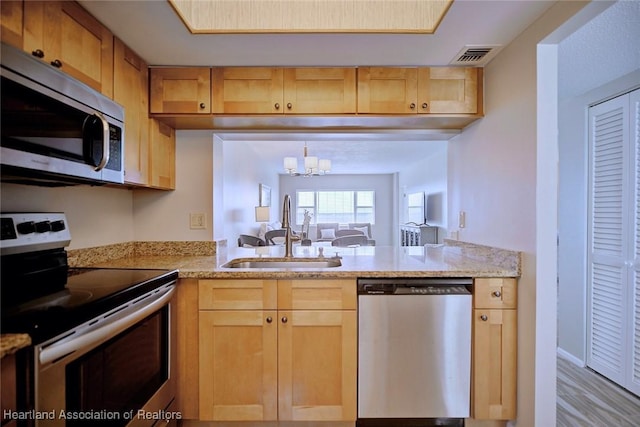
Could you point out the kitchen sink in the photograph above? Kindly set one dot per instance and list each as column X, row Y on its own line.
column 283, row 263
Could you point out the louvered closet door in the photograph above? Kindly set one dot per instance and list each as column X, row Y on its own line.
column 634, row 244
column 613, row 316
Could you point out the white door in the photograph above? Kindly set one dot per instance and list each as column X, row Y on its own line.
column 614, row 284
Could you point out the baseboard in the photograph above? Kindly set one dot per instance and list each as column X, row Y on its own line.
column 571, row 358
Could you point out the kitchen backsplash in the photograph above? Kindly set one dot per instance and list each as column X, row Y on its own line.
column 90, row 256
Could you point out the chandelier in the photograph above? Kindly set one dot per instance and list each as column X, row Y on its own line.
column 312, row 165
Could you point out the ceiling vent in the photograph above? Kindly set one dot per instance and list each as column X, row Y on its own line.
column 476, row 55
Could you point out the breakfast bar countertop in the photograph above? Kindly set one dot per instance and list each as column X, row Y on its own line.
column 452, row 259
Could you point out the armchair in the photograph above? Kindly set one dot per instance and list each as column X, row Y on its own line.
column 365, row 228
column 245, row 240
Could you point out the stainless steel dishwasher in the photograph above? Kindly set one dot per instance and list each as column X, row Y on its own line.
column 414, row 351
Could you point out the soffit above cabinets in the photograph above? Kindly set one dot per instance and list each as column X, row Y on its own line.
column 311, row 16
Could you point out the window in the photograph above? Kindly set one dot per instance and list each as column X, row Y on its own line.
column 336, row 206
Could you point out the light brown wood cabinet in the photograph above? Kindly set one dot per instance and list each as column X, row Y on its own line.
column 12, row 13
column 250, row 333
column 162, row 156
column 268, row 90
column 130, row 82
column 185, row 90
column 149, row 145
column 494, row 349
column 65, row 35
column 432, row 90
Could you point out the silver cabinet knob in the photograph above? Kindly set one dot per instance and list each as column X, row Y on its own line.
column 484, row 318
column 277, row 106
column 269, row 319
column 284, row 319
column 497, row 294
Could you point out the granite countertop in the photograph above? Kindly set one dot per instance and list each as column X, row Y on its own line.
column 10, row 343
column 447, row 260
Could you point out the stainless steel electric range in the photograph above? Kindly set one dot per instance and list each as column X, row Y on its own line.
column 103, row 339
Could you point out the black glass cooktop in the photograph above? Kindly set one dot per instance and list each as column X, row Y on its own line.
column 87, row 294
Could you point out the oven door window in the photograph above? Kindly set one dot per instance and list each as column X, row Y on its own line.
column 122, row 374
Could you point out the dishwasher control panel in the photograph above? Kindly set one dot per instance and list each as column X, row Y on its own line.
column 417, row 286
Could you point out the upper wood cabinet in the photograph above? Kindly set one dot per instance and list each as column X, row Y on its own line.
column 263, row 90
column 149, row 144
column 162, row 156
column 247, row 90
column 434, row 90
column 130, row 89
column 11, row 22
column 494, row 349
column 180, row 90
column 65, row 35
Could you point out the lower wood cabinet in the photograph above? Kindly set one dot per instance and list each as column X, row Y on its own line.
column 494, row 349
column 277, row 350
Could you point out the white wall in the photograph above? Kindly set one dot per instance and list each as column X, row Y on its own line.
column 164, row 215
column 428, row 175
column 383, row 231
column 492, row 177
column 243, row 172
column 96, row 216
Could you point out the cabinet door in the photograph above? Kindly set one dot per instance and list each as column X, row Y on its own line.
column 11, row 22
column 162, row 156
column 238, row 365
column 319, row 90
column 180, row 90
column 69, row 37
column 130, row 80
column 317, row 365
column 247, row 90
column 387, row 90
column 494, row 364
column 448, row 90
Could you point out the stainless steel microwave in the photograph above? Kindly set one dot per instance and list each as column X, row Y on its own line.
column 55, row 129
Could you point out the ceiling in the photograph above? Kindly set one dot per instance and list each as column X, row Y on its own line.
column 153, row 30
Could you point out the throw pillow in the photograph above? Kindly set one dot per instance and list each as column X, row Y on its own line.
column 328, row 233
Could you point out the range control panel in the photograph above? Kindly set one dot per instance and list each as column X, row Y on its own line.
column 28, row 232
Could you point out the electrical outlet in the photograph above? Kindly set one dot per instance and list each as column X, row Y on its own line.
column 197, row 221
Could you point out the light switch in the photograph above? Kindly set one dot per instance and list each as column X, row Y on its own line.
column 197, row 221
column 462, row 220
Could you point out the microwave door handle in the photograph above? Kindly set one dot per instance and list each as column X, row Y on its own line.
column 105, row 142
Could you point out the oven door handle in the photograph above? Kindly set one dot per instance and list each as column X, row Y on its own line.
column 110, row 329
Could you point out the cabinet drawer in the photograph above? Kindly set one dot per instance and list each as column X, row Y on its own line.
column 237, row 294
column 494, row 293
column 316, row 294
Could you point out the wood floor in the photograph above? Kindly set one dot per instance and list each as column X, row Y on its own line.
column 586, row 399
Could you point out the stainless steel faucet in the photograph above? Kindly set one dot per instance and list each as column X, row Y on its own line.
column 289, row 237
